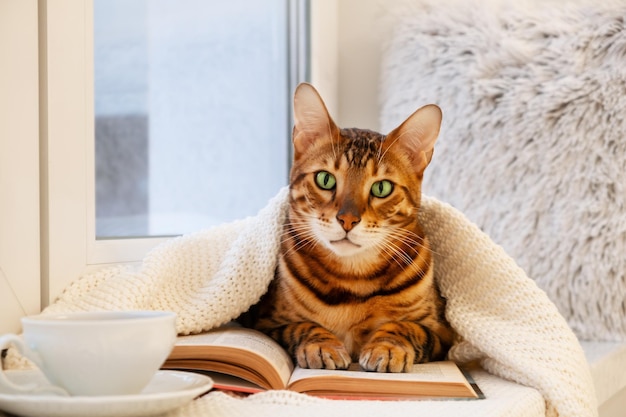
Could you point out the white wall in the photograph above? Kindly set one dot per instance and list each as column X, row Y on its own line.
column 325, row 52
column 19, row 163
column 348, row 40
column 364, row 26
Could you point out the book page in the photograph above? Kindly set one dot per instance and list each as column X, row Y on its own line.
column 263, row 346
column 426, row 372
column 435, row 379
column 227, row 382
column 244, row 339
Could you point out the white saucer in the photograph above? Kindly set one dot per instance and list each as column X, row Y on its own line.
column 166, row 391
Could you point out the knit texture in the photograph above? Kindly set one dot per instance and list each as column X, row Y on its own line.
column 533, row 138
column 208, row 278
column 504, row 319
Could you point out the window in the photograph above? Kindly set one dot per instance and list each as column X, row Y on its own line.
column 158, row 111
column 191, row 112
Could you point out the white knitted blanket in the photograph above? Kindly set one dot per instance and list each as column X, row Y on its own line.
column 210, row 277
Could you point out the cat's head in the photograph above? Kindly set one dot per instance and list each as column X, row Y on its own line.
column 354, row 191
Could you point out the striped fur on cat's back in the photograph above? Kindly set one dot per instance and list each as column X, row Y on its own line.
column 355, row 280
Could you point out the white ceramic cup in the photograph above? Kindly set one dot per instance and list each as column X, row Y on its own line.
column 93, row 353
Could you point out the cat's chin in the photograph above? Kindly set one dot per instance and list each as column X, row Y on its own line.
column 345, row 247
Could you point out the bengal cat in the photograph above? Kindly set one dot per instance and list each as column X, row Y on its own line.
column 354, row 280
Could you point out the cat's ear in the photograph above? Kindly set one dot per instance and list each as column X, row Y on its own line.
column 311, row 119
column 417, row 136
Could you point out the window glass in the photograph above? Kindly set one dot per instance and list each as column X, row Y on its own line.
column 191, row 112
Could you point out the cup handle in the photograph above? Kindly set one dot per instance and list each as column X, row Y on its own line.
column 9, row 387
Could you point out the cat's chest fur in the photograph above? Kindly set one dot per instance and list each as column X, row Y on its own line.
column 354, row 325
column 352, row 307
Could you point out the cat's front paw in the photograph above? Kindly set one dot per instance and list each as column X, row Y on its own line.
column 326, row 354
column 387, row 356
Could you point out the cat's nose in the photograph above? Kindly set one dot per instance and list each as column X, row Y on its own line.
column 348, row 220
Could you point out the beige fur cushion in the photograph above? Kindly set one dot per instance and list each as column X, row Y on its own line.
column 533, row 144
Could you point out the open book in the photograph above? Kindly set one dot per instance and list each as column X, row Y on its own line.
column 245, row 360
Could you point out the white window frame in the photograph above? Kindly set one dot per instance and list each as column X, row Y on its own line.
column 68, row 166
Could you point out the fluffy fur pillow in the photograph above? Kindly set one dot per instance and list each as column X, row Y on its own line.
column 533, row 146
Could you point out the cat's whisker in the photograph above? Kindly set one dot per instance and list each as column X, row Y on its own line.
column 419, row 250
column 298, row 232
column 380, row 150
column 416, row 241
column 296, row 224
column 301, row 234
column 301, row 231
column 297, row 236
column 332, row 140
column 302, row 218
column 402, row 254
column 414, row 135
column 407, row 236
column 390, row 242
column 381, row 157
column 390, row 253
column 300, row 245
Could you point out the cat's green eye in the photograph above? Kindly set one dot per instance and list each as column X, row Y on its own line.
column 325, row 180
column 382, row 189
